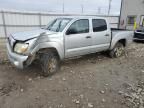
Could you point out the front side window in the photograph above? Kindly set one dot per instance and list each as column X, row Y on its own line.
column 99, row 25
column 58, row 25
column 78, row 27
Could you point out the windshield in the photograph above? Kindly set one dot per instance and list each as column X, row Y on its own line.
column 58, row 24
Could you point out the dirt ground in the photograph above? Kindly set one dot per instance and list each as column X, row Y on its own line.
column 92, row 81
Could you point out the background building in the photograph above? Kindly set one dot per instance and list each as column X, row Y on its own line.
column 131, row 11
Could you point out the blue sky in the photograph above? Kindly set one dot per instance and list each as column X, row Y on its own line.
column 71, row 6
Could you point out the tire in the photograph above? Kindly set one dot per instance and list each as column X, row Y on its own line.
column 50, row 64
column 117, row 51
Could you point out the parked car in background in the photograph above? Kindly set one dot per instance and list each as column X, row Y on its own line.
column 66, row 38
column 139, row 34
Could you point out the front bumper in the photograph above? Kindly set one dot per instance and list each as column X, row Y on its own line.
column 15, row 59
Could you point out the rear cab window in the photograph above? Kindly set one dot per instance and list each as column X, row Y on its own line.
column 99, row 25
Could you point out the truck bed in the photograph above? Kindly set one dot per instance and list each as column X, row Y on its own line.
column 116, row 31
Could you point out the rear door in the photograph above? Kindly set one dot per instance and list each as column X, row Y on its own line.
column 77, row 38
column 101, row 35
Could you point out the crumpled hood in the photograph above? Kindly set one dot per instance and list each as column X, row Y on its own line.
column 26, row 35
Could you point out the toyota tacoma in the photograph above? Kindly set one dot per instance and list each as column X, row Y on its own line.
column 65, row 38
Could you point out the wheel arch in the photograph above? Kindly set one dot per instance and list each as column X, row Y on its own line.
column 49, row 46
column 46, row 50
column 114, row 42
column 123, row 41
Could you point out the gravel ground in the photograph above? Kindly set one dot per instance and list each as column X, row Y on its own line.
column 92, row 81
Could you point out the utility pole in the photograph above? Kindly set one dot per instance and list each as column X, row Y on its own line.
column 82, row 8
column 63, row 7
column 99, row 10
column 109, row 9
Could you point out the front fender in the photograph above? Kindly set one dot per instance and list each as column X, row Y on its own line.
column 55, row 45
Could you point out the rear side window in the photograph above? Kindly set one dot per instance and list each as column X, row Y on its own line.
column 99, row 25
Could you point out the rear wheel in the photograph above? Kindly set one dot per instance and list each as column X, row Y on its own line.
column 117, row 51
column 50, row 64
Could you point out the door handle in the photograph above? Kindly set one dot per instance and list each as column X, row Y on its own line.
column 107, row 35
column 88, row 37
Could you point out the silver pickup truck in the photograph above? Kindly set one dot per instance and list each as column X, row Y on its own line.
column 66, row 38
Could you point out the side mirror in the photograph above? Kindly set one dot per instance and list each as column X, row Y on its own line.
column 71, row 31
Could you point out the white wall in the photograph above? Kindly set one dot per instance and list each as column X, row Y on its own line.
column 45, row 19
column 1, row 22
column 19, row 19
column 1, row 27
column 2, row 34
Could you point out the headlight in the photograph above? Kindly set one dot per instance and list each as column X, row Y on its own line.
column 21, row 48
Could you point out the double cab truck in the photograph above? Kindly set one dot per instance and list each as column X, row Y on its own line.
column 65, row 38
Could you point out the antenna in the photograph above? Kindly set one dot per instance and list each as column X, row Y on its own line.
column 99, row 10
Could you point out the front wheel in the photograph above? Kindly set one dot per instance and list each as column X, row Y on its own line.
column 117, row 51
column 50, row 64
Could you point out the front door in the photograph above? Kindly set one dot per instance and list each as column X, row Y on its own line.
column 77, row 38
